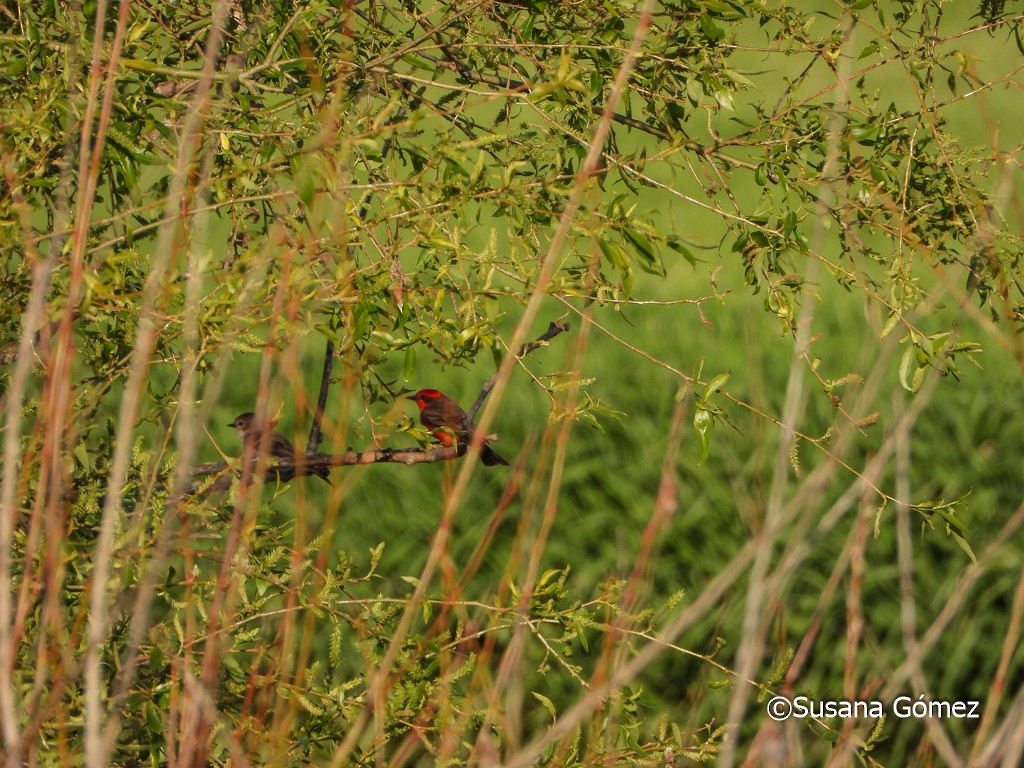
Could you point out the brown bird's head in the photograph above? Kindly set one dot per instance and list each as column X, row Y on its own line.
column 248, row 428
column 243, row 423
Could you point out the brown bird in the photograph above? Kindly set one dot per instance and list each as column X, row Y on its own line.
column 278, row 446
column 438, row 412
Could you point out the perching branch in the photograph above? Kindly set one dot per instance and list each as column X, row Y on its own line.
column 309, row 464
column 284, row 470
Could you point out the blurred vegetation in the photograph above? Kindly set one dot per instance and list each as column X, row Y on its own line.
column 779, row 450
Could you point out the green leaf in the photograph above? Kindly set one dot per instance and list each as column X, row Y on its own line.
column 715, row 384
column 737, row 78
column 682, row 250
column 547, row 704
column 304, row 186
column 789, row 223
column 581, row 636
column 910, row 382
column 154, row 719
column 615, row 253
column 702, row 423
column 417, row 62
column 711, row 31
column 868, row 50
column 410, row 362
column 644, row 249
column 962, row 543
column 950, row 517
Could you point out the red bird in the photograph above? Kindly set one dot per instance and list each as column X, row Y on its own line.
column 438, row 411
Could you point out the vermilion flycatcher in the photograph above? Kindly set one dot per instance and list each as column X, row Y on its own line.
column 278, row 446
column 438, row 411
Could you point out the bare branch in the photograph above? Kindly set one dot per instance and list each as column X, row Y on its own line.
column 309, row 465
column 316, row 432
column 556, row 327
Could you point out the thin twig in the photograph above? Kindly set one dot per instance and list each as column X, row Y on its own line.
column 554, row 328
column 316, row 432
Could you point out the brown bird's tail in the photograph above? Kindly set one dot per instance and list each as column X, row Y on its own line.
column 323, row 473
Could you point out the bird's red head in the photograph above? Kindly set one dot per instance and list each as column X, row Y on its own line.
column 425, row 396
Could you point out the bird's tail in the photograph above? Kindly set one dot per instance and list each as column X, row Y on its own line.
column 490, row 458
